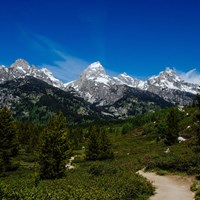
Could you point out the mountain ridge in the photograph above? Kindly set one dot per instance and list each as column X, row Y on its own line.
column 21, row 68
column 105, row 90
column 95, row 86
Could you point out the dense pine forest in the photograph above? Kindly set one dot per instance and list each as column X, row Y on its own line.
column 97, row 160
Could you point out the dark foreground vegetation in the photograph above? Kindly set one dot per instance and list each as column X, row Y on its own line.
column 106, row 156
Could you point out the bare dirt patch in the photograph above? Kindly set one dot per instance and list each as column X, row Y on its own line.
column 170, row 187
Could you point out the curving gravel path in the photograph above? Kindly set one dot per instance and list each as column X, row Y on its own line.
column 169, row 187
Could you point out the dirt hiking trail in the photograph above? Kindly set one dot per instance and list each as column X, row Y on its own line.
column 169, row 187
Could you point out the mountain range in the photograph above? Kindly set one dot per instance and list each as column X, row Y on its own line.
column 95, row 92
column 95, row 86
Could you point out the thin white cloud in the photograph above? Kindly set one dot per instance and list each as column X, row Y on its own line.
column 192, row 76
column 67, row 69
column 64, row 66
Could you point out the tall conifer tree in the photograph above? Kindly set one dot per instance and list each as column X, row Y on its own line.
column 98, row 145
column 8, row 138
column 92, row 147
column 198, row 119
column 172, row 131
column 105, row 150
column 54, row 148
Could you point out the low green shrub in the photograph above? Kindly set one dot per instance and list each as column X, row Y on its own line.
column 194, row 187
column 161, row 172
column 99, row 169
column 197, row 195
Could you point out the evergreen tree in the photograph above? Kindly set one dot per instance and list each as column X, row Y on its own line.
column 198, row 127
column 8, row 139
column 198, row 119
column 198, row 100
column 92, row 147
column 105, row 151
column 54, row 148
column 172, row 131
column 98, row 145
column 29, row 135
column 161, row 130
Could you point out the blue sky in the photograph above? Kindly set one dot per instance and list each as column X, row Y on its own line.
column 140, row 37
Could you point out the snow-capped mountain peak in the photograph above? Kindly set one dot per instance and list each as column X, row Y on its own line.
column 169, row 80
column 169, row 70
column 95, row 66
column 21, row 64
column 170, row 75
column 93, row 71
column 21, row 68
column 166, row 79
column 93, row 83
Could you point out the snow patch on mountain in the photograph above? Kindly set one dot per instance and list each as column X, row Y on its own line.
column 125, row 79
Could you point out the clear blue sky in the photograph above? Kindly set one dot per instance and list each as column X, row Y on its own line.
column 140, row 37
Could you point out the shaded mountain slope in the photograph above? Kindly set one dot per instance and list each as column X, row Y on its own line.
column 35, row 100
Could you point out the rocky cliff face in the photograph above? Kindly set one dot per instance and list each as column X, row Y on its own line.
column 135, row 102
column 34, row 100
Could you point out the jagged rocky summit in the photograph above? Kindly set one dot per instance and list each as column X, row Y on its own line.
column 21, row 68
